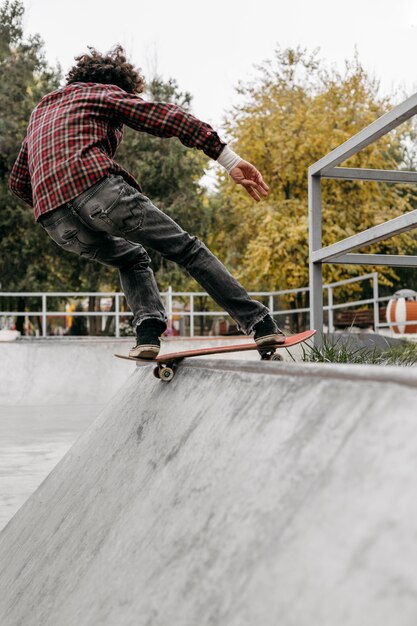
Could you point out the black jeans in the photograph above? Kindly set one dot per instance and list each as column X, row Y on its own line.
column 111, row 223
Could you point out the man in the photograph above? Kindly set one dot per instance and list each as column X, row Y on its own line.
column 89, row 205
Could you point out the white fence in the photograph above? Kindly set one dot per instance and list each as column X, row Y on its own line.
column 189, row 311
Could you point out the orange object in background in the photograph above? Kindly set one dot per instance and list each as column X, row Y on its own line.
column 68, row 318
column 402, row 308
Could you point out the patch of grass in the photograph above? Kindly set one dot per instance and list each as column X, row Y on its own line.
column 341, row 351
column 405, row 355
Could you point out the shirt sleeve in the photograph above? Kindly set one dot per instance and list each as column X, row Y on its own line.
column 19, row 181
column 164, row 119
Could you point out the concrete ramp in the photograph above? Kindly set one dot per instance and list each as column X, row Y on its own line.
column 240, row 494
column 50, row 390
column 61, row 372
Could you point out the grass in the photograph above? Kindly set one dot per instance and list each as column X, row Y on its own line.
column 341, row 351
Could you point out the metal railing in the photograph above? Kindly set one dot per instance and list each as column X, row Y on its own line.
column 341, row 251
column 189, row 312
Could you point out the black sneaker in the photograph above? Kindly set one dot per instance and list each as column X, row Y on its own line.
column 267, row 332
column 147, row 339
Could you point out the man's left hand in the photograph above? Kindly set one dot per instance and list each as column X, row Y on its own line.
column 247, row 175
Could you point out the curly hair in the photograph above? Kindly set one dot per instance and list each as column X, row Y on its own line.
column 112, row 68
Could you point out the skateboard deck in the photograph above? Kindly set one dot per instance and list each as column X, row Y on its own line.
column 167, row 363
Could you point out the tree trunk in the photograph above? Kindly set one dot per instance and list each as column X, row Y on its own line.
column 38, row 322
column 20, row 320
column 203, row 301
column 110, row 326
column 94, row 323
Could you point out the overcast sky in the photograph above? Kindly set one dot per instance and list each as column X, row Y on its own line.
column 209, row 46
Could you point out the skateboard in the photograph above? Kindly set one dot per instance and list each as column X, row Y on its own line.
column 167, row 363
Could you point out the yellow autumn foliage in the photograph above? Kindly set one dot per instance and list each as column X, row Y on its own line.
column 294, row 113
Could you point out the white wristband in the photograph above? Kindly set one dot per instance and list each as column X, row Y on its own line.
column 228, row 158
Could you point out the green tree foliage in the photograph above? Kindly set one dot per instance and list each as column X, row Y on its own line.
column 25, row 78
column 292, row 114
column 167, row 170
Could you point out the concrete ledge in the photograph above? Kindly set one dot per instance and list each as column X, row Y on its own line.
column 337, row 371
column 238, row 494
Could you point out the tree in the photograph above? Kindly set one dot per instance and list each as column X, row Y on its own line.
column 25, row 78
column 292, row 114
column 169, row 172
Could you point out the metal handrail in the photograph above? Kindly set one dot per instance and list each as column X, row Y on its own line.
column 341, row 251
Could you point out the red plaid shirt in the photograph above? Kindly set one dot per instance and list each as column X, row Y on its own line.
column 74, row 132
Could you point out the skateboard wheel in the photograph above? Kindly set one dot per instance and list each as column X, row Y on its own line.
column 166, row 374
column 155, row 372
column 276, row 357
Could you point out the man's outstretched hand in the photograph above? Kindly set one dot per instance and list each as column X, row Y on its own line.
column 247, row 175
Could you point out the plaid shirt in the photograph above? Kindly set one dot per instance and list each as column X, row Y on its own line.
column 74, row 132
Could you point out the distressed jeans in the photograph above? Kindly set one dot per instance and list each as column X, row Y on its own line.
column 113, row 223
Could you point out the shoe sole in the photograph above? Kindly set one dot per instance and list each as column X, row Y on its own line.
column 145, row 352
column 276, row 338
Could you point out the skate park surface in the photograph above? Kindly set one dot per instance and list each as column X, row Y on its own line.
column 50, row 390
column 240, row 493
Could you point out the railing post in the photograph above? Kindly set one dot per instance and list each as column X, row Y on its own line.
column 44, row 328
column 169, row 306
column 271, row 304
column 191, row 315
column 330, row 302
column 117, row 316
column 315, row 243
column 375, row 286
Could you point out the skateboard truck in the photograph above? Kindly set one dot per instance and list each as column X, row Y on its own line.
column 269, row 354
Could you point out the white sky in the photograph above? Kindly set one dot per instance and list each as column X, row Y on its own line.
column 208, row 47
